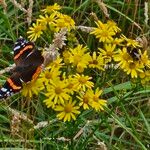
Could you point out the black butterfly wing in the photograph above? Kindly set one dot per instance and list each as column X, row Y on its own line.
column 21, row 49
column 11, row 86
column 28, row 66
column 31, row 66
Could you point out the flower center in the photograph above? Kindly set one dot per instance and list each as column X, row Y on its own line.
column 58, row 90
column 48, row 75
column 104, row 34
column 109, row 53
column 68, row 108
column 95, row 98
column 77, row 58
column 85, row 99
column 82, row 80
column 70, row 86
column 132, row 65
column 95, row 62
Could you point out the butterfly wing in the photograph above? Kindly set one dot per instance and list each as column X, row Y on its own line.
column 11, row 86
column 28, row 66
column 21, row 49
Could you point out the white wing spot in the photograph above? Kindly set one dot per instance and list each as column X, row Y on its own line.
column 3, row 89
column 17, row 47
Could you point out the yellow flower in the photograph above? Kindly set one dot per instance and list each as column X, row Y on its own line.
column 133, row 68
column 66, row 56
column 79, row 57
column 36, row 31
column 130, row 42
column 70, row 85
column 108, row 53
column 145, row 77
column 57, row 63
column 67, row 111
column 144, row 59
column 56, row 93
column 31, row 88
column 64, row 21
column 97, row 103
column 118, row 41
column 85, row 100
column 82, row 82
column 122, row 57
column 51, row 8
column 48, row 19
column 96, row 62
column 49, row 74
column 113, row 26
column 104, row 32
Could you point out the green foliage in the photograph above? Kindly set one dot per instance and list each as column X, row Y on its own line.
column 124, row 124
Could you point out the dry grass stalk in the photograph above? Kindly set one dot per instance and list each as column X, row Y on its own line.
column 19, row 6
column 29, row 12
column 103, row 7
column 81, row 130
column 4, row 5
column 85, row 29
column 51, row 52
column 19, row 115
column 7, row 69
column 15, row 124
column 146, row 12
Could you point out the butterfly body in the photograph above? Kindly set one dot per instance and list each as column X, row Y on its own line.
column 28, row 62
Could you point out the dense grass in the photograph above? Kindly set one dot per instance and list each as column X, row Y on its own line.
column 125, row 123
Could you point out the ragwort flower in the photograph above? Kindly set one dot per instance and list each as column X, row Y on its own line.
column 133, row 68
column 67, row 111
column 82, row 82
column 56, row 93
column 108, row 52
column 96, row 62
column 64, row 21
column 97, row 103
column 32, row 88
column 51, row 8
column 36, row 31
column 103, row 32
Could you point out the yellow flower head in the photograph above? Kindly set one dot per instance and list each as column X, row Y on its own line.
column 79, row 57
column 97, row 103
column 145, row 76
column 144, row 59
column 122, row 57
column 96, row 62
column 32, row 88
column 133, row 68
column 113, row 26
column 49, row 74
column 51, row 8
column 85, row 100
column 108, row 52
column 82, row 82
column 64, row 21
column 67, row 111
column 131, row 42
column 56, row 93
column 48, row 19
column 103, row 32
column 36, row 31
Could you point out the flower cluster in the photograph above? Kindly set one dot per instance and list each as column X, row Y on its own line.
column 67, row 82
column 68, row 91
column 49, row 22
column 122, row 51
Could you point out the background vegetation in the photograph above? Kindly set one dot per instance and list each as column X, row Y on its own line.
column 123, row 125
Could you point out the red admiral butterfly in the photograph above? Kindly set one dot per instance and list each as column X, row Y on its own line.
column 28, row 62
